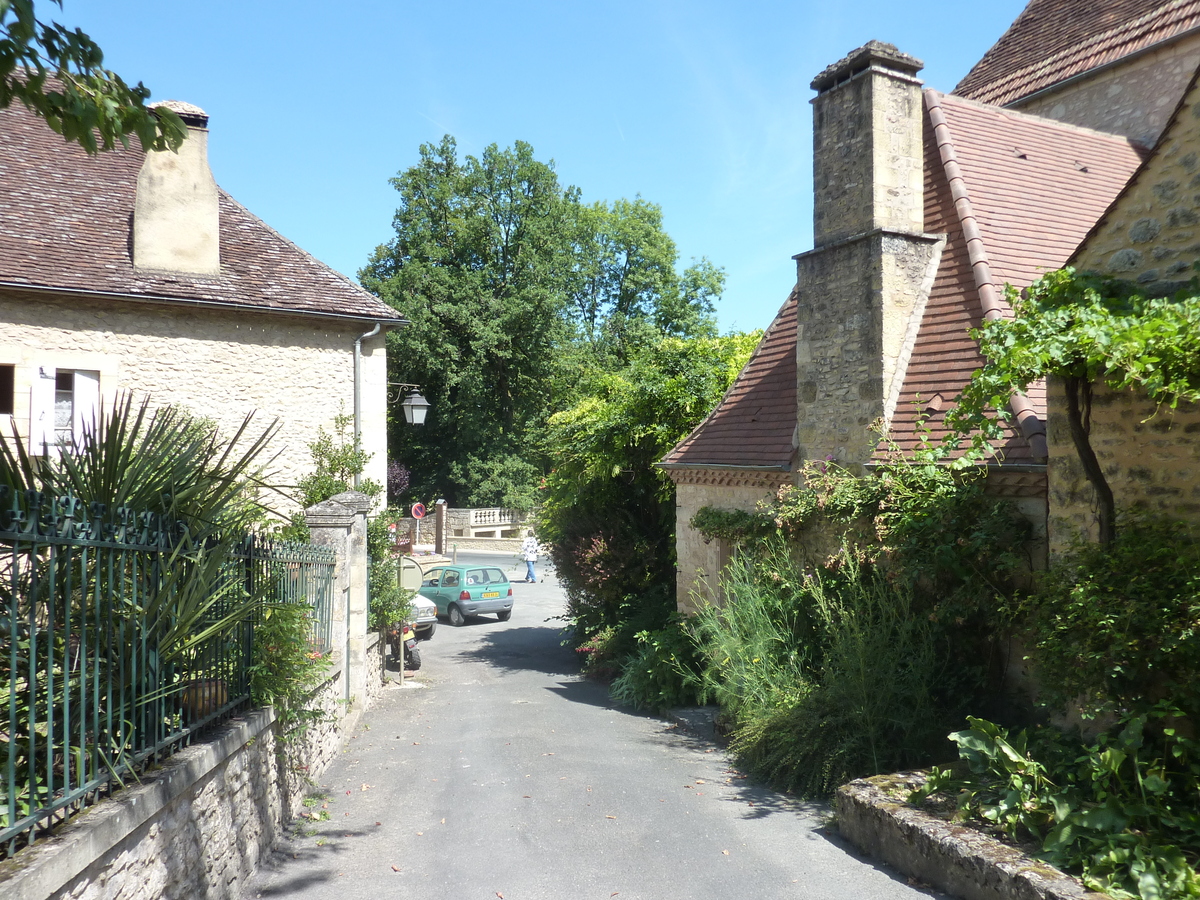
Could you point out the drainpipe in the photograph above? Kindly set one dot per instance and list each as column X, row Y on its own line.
column 358, row 393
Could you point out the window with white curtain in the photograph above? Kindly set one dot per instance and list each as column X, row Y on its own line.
column 63, row 402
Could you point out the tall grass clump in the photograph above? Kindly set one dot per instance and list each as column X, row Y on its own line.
column 827, row 674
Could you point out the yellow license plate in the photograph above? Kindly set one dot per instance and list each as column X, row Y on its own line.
column 488, row 595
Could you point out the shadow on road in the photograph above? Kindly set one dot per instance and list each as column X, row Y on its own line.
column 523, row 648
column 593, row 693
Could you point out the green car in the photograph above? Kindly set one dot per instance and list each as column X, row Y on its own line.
column 461, row 591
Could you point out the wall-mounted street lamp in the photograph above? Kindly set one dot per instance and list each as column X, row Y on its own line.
column 415, row 406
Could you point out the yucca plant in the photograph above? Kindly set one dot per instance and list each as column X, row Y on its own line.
column 148, row 626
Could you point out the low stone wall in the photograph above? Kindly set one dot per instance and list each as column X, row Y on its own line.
column 505, row 545
column 194, row 828
column 961, row 861
column 197, row 826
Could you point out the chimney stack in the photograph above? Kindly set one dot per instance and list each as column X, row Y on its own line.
column 864, row 286
column 867, row 153
column 176, row 219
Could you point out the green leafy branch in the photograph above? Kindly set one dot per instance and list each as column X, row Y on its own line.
column 59, row 74
column 1119, row 811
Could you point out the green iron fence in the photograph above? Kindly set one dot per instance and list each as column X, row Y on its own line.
column 120, row 639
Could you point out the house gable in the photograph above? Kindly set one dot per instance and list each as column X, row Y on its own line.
column 1053, row 41
column 1150, row 234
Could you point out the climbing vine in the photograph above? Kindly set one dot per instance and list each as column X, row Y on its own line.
column 1083, row 328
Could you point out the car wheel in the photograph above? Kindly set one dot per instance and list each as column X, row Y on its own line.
column 504, row 615
column 427, row 633
column 414, row 660
column 456, row 616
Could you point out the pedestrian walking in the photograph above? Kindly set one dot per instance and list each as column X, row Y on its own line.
column 529, row 551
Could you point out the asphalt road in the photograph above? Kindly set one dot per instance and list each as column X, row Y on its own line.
column 499, row 772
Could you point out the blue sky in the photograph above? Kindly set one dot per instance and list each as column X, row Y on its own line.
column 701, row 107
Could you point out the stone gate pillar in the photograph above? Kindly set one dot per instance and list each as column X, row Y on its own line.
column 340, row 523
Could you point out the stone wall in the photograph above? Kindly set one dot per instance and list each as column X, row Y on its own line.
column 1151, row 460
column 218, row 364
column 698, row 560
column 1135, row 98
column 197, row 826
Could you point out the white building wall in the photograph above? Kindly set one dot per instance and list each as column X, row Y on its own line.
column 221, row 364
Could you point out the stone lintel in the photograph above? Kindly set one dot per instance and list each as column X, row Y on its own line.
column 355, row 500
column 921, row 236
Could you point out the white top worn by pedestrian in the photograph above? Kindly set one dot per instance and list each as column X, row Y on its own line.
column 529, row 550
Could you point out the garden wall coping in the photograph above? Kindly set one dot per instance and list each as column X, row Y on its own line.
column 962, row 861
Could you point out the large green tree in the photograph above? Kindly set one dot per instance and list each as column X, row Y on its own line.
column 478, row 265
column 625, row 290
column 517, row 292
column 59, row 74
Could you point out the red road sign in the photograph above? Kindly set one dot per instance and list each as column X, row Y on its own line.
column 418, row 510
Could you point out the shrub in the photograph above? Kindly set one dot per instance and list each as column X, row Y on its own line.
column 662, row 672
column 1120, row 811
column 830, row 675
column 390, row 603
column 286, row 669
column 1116, row 625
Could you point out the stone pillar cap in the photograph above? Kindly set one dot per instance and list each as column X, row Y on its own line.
column 330, row 513
column 355, row 500
column 886, row 56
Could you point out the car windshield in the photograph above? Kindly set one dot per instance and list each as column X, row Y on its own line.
column 496, row 576
column 431, row 580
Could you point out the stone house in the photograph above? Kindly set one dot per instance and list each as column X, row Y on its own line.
column 925, row 206
column 134, row 272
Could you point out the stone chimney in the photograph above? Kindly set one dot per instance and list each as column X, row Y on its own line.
column 867, row 148
column 176, row 219
column 864, row 286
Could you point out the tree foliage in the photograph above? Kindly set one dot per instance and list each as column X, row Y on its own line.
column 516, row 291
column 478, row 266
column 59, row 74
column 608, row 512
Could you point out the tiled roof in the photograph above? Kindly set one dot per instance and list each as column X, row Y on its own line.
column 752, row 426
column 66, row 223
column 1015, row 195
column 1052, row 40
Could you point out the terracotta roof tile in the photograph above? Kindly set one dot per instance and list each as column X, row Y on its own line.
column 1034, row 187
column 1052, row 40
column 65, row 223
column 753, row 424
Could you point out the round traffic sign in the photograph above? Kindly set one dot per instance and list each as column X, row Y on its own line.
column 418, row 510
